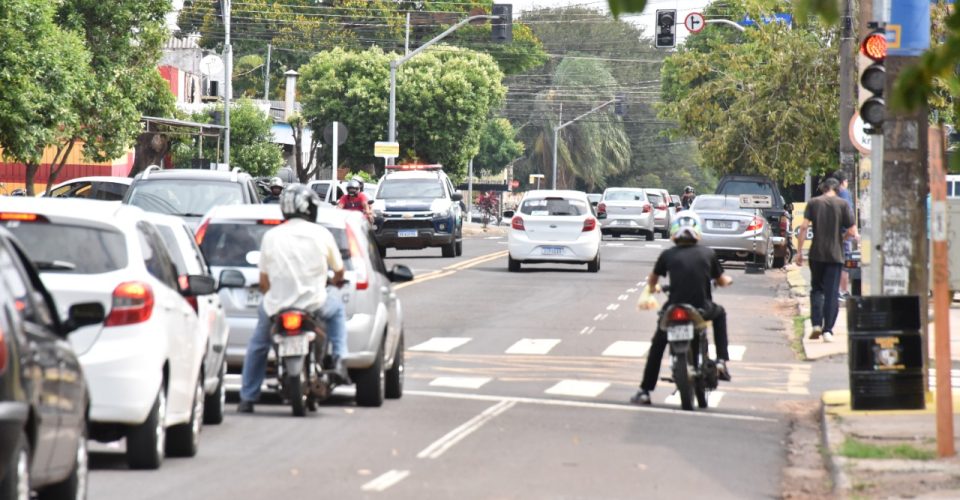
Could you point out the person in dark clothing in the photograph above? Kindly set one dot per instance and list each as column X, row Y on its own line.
column 687, row 198
column 276, row 188
column 828, row 213
column 844, row 193
column 691, row 269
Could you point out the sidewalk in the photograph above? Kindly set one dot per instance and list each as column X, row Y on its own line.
column 477, row 229
column 880, row 454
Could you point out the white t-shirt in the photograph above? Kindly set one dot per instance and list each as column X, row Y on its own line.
column 296, row 256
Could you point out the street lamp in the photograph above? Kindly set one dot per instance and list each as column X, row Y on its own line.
column 558, row 128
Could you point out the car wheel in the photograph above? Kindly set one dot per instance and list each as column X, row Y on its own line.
column 16, row 484
column 770, row 260
column 215, row 404
column 594, row 265
column 394, row 389
column 459, row 248
column 146, row 442
column 513, row 265
column 450, row 250
column 184, row 439
column 371, row 383
column 650, row 236
column 75, row 485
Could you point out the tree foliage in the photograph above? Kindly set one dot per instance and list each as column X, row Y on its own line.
column 498, row 146
column 765, row 104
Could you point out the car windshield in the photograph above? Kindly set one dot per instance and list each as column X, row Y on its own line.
column 625, row 195
column 184, row 197
column 655, row 199
column 227, row 244
column 91, row 250
column 405, row 189
column 321, row 189
column 727, row 204
column 736, row 188
column 553, row 206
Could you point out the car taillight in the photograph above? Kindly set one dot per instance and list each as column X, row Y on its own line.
column 662, row 206
column 679, row 315
column 132, row 304
column 602, row 208
column 359, row 260
column 756, row 224
column 3, row 352
column 517, row 223
column 270, row 222
column 589, row 224
column 21, row 217
column 647, row 208
column 202, row 231
column 291, row 321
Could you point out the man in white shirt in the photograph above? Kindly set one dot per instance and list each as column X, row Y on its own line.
column 294, row 260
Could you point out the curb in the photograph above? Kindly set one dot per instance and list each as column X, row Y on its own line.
column 835, row 464
column 480, row 231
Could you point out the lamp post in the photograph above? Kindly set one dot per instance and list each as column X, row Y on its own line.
column 558, row 128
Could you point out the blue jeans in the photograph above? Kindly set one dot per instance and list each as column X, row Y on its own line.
column 255, row 361
column 824, row 294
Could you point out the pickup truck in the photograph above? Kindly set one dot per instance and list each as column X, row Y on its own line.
column 780, row 216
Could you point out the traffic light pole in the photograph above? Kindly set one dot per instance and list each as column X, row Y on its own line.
column 558, row 128
column 394, row 64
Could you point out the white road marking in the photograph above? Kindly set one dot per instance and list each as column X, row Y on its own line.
column 614, row 245
column 600, row 317
column 585, row 329
column 588, row 330
column 493, row 237
column 440, row 446
column 627, row 349
column 587, row 404
column 613, row 307
column 736, row 352
column 440, row 344
column 386, row 480
column 504, row 242
column 579, row 388
column 460, row 382
column 648, row 245
column 713, row 399
column 631, row 290
column 641, row 283
column 533, row 346
column 623, row 297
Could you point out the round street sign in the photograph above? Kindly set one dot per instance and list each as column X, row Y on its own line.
column 694, row 22
column 341, row 133
column 860, row 139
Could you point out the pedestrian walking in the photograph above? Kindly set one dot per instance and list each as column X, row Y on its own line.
column 844, row 193
column 828, row 213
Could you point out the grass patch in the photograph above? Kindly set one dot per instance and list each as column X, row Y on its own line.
column 853, row 448
column 796, row 342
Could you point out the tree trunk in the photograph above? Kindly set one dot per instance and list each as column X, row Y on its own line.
column 151, row 148
column 59, row 161
column 31, row 173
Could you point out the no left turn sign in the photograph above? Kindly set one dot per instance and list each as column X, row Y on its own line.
column 694, row 22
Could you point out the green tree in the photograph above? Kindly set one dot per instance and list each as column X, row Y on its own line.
column 498, row 146
column 765, row 105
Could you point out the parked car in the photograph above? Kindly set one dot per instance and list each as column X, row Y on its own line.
column 144, row 364
column 94, row 188
column 212, row 323
column 734, row 233
column 230, row 238
column 554, row 226
column 780, row 216
column 190, row 193
column 626, row 211
column 43, row 394
column 661, row 203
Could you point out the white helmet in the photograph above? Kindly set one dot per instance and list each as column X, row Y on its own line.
column 686, row 227
column 276, row 182
column 299, row 201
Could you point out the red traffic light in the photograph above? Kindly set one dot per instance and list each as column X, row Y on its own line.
column 874, row 46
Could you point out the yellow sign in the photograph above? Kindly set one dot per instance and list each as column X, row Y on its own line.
column 386, row 149
column 893, row 42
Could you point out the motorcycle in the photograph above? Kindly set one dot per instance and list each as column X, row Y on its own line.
column 301, row 349
column 694, row 373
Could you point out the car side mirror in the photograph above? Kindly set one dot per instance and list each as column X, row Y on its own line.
column 400, row 274
column 84, row 314
column 456, row 196
column 199, row 284
column 594, row 203
column 231, row 278
column 508, row 214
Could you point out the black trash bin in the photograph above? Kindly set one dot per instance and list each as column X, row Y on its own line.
column 885, row 353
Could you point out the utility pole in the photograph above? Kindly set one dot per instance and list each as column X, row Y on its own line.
column 266, row 75
column 847, row 99
column 227, row 81
column 558, row 128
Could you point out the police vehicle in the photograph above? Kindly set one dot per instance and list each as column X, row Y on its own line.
column 417, row 207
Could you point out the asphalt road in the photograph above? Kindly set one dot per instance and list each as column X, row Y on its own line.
column 517, row 387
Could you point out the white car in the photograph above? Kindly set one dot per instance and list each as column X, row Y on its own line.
column 554, row 226
column 104, row 188
column 214, row 330
column 144, row 364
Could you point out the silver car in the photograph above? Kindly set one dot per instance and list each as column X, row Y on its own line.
column 626, row 210
column 734, row 233
column 230, row 238
column 661, row 210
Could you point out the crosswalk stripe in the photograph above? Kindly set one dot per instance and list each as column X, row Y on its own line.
column 580, row 388
column 533, row 346
column 441, row 344
column 736, row 352
column 460, row 382
column 627, row 348
column 713, row 399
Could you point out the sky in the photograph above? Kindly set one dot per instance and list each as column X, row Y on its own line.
column 646, row 19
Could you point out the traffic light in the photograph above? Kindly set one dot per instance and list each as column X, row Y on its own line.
column 502, row 31
column 874, row 77
column 666, row 28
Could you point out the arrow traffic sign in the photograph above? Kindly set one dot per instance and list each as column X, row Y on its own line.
column 694, row 22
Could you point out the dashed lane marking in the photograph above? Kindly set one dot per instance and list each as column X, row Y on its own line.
column 578, row 388
column 623, row 297
column 632, row 290
column 460, row 382
column 533, row 346
column 600, row 317
column 588, row 330
column 613, row 307
column 441, row 344
column 627, row 349
column 386, row 480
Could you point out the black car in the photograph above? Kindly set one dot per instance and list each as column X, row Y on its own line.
column 190, row 193
column 780, row 216
column 43, row 396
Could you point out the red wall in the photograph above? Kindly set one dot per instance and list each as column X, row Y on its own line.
column 170, row 74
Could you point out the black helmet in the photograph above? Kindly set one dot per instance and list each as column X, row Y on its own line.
column 299, row 201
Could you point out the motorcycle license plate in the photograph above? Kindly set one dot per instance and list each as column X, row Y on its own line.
column 253, row 297
column 678, row 333
column 293, row 346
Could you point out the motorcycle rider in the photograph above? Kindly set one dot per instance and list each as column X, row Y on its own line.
column 276, row 188
column 294, row 260
column 687, row 198
column 691, row 268
column 355, row 200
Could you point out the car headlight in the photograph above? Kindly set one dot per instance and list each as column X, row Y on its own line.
column 442, row 214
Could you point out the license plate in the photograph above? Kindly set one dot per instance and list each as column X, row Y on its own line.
column 253, row 297
column 678, row 333
column 721, row 224
column 293, row 346
column 407, row 233
column 552, row 250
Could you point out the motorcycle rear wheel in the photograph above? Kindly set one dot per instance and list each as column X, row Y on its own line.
column 295, row 394
column 681, row 378
column 701, row 390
